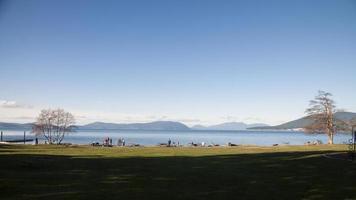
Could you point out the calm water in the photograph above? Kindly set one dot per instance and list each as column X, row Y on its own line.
column 265, row 138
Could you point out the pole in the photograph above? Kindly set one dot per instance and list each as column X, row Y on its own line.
column 1, row 137
column 24, row 137
column 354, row 143
column 354, row 137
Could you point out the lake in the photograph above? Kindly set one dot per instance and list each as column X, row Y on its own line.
column 263, row 138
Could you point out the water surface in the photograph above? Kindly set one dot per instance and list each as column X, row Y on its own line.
column 263, row 138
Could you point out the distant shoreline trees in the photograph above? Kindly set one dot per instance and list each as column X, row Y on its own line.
column 53, row 125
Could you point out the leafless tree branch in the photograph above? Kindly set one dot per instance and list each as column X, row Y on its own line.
column 54, row 125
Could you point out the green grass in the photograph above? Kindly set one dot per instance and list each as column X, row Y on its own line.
column 246, row 172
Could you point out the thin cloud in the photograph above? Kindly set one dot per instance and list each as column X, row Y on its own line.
column 12, row 104
column 188, row 120
column 81, row 117
column 230, row 118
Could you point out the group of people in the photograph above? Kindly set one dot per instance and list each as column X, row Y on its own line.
column 121, row 142
column 107, row 141
column 170, row 143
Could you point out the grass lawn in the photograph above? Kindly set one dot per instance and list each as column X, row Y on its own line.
column 246, row 172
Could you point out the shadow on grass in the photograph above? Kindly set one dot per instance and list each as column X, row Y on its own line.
column 292, row 175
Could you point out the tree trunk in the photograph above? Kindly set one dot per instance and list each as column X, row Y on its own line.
column 331, row 138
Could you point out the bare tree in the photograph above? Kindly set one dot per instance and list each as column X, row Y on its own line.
column 54, row 125
column 321, row 112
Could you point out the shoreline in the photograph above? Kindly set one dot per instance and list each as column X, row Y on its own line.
column 172, row 147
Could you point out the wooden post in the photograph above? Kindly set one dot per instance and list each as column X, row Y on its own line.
column 1, row 137
column 354, row 149
column 24, row 137
column 353, row 143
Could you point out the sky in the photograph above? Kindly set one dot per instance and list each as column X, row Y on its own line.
column 193, row 61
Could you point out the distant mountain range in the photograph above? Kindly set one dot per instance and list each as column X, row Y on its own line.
column 158, row 125
column 15, row 126
column 305, row 121
column 177, row 126
column 229, row 126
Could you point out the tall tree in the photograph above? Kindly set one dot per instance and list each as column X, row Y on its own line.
column 321, row 112
column 53, row 125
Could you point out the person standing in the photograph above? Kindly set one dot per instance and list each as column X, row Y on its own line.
column 119, row 142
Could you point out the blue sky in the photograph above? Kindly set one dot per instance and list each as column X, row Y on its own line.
column 198, row 62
